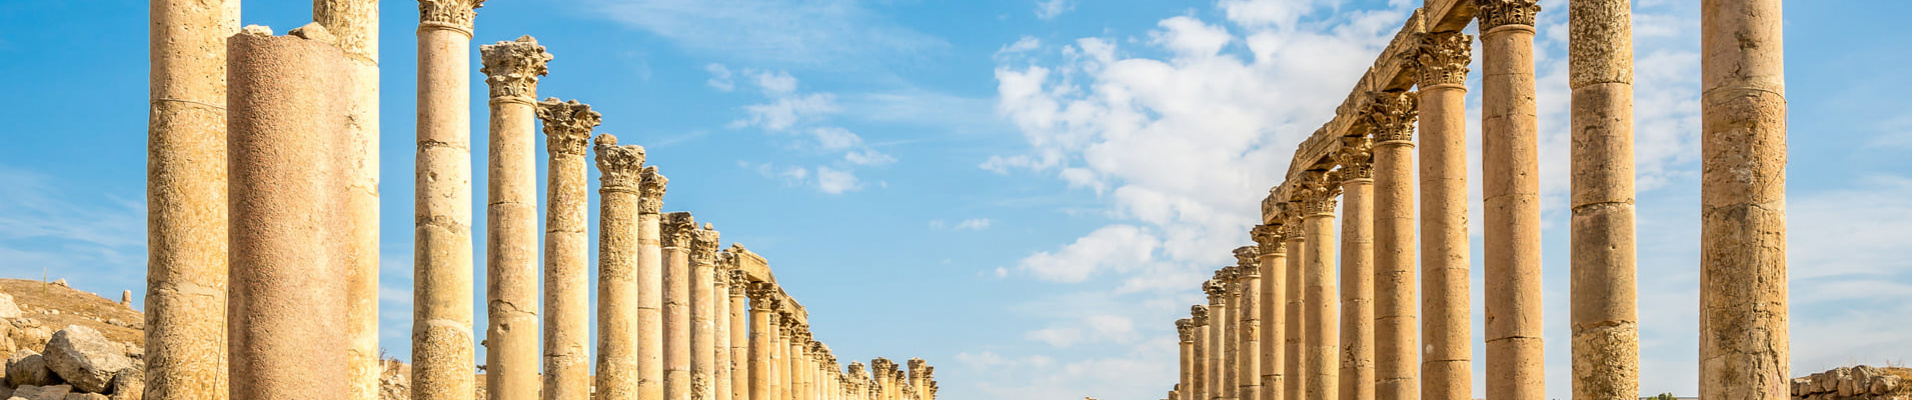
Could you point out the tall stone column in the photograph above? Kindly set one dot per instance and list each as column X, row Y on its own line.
column 567, row 296
column 1510, row 164
column 679, row 230
column 703, row 332
column 1446, row 330
column 621, row 181
column 1357, row 268
column 1318, row 193
column 1185, row 331
column 1231, row 334
column 1272, row 263
column 186, row 210
column 649, row 278
column 442, row 348
column 1217, row 373
column 355, row 25
column 1391, row 120
column 763, row 327
column 511, row 227
column 1248, row 336
column 1295, row 345
column 288, row 296
column 720, row 323
column 786, row 385
column 1606, row 335
column 799, row 363
column 1199, row 385
column 917, row 370
column 1744, row 342
column 742, row 365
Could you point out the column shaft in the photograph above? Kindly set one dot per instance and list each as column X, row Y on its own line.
column 1606, row 338
column 703, row 329
column 567, row 297
column 1391, row 120
column 720, row 331
column 1295, row 340
column 743, row 366
column 512, row 356
column 355, row 24
column 1200, row 387
column 1248, row 353
column 1323, row 308
column 1357, row 274
column 762, row 328
column 649, row 278
column 1217, row 374
column 1272, row 261
column 678, row 229
column 621, row 189
column 1744, row 341
column 1510, row 163
column 1185, row 329
column 1446, row 363
column 442, row 347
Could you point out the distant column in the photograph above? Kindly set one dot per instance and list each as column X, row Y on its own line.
column 1606, row 331
column 1295, row 345
column 720, row 325
column 567, row 296
column 620, row 178
column 1248, row 353
column 743, row 367
column 1317, row 215
column 1390, row 119
column 1447, row 362
column 1199, row 316
column 649, row 278
column 703, row 328
column 1510, row 182
column 1185, row 330
column 1217, row 332
column 443, row 360
column 786, row 332
column 1272, row 264
column 763, row 322
column 678, row 231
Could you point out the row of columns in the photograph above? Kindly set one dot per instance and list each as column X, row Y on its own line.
column 1286, row 331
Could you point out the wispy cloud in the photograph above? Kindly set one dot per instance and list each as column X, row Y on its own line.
column 789, row 111
column 96, row 240
column 798, row 33
column 1050, row 9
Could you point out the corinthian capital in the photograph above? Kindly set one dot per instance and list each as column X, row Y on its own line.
column 1316, row 193
column 675, row 229
column 738, row 279
column 763, row 296
column 1185, row 329
column 1198, row 315
column 567, row 125
column 703, row 246
column 457, row 13
column 1268, row 239
column 1356, row 158
column 512, row 68
column 1494, row 13
column 1390, row 116
column 650, row 192
column 1442, row 59
column 1248, row 257
column 617, row 165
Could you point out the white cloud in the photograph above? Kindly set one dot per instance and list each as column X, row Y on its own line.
column 834, row 181
column 821, row 34
column 1111, row 249
column 789, row 111
column 1050, row 9
column 974, row 224
column 720, row 78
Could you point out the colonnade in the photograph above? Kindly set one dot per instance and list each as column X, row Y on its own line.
column 263, row 280
column 1281, row 324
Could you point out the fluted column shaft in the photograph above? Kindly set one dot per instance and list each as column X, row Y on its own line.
column 1323, row 331
column 1391, row 120
column 1606, row 338
column 443, row 358
column 1295, row 340
column 1744, row 341
column 1272, row 260
column 622, row 190
column 1510, row 163
column 355, row 25
column 678, row 229
column 1446, row 363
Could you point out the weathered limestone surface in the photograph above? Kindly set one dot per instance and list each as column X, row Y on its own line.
column 567, row 280
column 288, row 302
column 720, row 321
column 186, row 238
column 1854, row 383
column 1199, row 316
column 1391, row 121
column 1216, row 376
column 355, row 25
column 1744, row 341
column 678, row 229
column 621, row 179
column 1272, row 261
column 1248, row 352
column 442, row 347
column 1510, row 163
column 740, row 339
column 703, row 332
column 650, row 285
column 1446, row 364
column 1606, row 338
column 1185, row 331
column 763, row 322
column 1295, row 344
column 1322, row 350
column 1357, row 268
column 512, row 356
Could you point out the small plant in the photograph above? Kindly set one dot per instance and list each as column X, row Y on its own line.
column 1663, row 396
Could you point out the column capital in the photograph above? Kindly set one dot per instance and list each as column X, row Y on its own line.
column 1246, row 260
column 1185, row 329
column 1317, row 193
column 1390, row 116
column 1495, row 13
column 763, row 296
column 1216, row 289
column 1198, row 315
column 1442, row 59
column 512, row 68
column 675, row 229
column 737, row 279
column 1292, row 230
column 650, row 192
column 618, row 165
column 1356, row 158
column 455, row 13
column 703, row 245
column 1269, row 238
column 567, row 125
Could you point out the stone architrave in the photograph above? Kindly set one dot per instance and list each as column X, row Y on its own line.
column 678, row 231
column 1248, row 337
column 512, row 356
column 1217, row 370
column 620, row 178
column 1606, row 335
column 1295, row 344
column 1198, row 387
column 443, row 360
column 288, row 295
column 720, row 325
column 742, row 365
column 1441, row 74
column 186, row 233
column 703, row 332
column 355, row 25
column 1357, row 268
column 1744, row 339
column 763, row 328
column 1185, row 331
column 650, row 284
column 1510, row 182
column 567, row 296
column 1390, row 119
column 1272, row 262
column 1317, row 192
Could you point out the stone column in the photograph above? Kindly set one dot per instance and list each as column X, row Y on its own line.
column 1231, row 334
column 649, row 278
column 720, row 325
column 1390, row 119
column 1744, row 347
column 567, row 297
column 621, row 180
column 1198, row 388
column 742, row 365
column 917, row 370
column 678, row 232
column 1318, row 193
column 763, row 322
column 1248, row 351
column 1606, row 336
column 1272, row 260
column 799, row 363
column 186, row 190
column 703, row 332
column 1295, row 345
column 1510, row 164
column 1217, row 331
column 1441, row 73
column 355, row 25
column 442, row 346
column 1185, row 330
column 1357, row 268
column 785, row 333
column 288, row 295
column 511, row 227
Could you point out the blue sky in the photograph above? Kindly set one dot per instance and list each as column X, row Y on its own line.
column 1023, row 192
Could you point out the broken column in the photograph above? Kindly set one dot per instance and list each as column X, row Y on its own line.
column 1441, row 73
column 1217, row 332
column 567, row 296
column 620, row 169
column 720, row 323
column 511, row 228
column 1198, row 389
column 1185, row 331
column 740, row 331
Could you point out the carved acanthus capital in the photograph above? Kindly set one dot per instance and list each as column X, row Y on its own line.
column 1292, row 230
column 1198, row 315
column 703, row 246
column 457, row 13
column 1495, row 13
column 1268, row 238
column 1317, row 192
column 617, row 165
column 650, row 192
column 567, row 125
column 1442, row 59
column 675, row 229
column 1247, row 258
column 1216, row 289
column 512, row 68
column 1356, row 158
column 1185, row 329
column 737, row 278
column 763, row 296
column 1391, row 115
